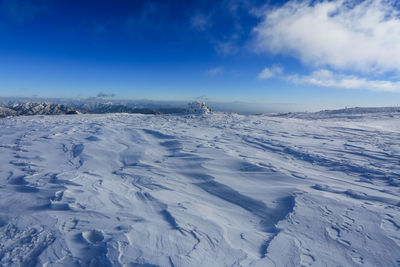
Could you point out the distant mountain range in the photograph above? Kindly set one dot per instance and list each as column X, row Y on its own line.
column 30, row 108
column 46, row 108
column 19, row 107
column 339, row 113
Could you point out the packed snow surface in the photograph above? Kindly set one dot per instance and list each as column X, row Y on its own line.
column 200, row 190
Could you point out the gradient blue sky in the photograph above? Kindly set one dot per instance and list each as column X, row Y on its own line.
column 298, row 54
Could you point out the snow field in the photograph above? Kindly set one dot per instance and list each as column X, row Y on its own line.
column 200, row 190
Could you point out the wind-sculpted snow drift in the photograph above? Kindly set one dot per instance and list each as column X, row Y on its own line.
column 200, row 190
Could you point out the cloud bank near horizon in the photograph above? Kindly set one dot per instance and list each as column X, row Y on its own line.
column 327, row 78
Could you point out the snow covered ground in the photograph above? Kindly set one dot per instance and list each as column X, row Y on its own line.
column 200, row 190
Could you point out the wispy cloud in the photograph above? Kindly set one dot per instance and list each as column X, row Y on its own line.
column 151, row 16
column 327, row 78
column 270, row 72
column 104, row 95
column 215, row 71
column 225, row 23
column 101, row 27
column 200, row 22
column 23, row 10
column 357, row 35
column 226, row 47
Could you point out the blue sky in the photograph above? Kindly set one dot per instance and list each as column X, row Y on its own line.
column 301, row 55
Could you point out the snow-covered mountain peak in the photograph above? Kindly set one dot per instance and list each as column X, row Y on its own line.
column 45, row 108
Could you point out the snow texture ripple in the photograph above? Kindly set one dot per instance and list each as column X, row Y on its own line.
column 200, row 190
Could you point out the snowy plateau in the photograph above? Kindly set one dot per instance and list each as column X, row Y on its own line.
column 214, row 189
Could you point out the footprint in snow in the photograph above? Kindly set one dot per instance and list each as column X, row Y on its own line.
column 93, row 236
column 306, row 260
column 335, row 234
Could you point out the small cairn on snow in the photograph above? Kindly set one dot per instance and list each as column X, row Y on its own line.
column 197, row 107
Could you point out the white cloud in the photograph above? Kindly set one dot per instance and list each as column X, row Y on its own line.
column 215, row 71
column 268, row 73
column 361, row 36
column 326, row 78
